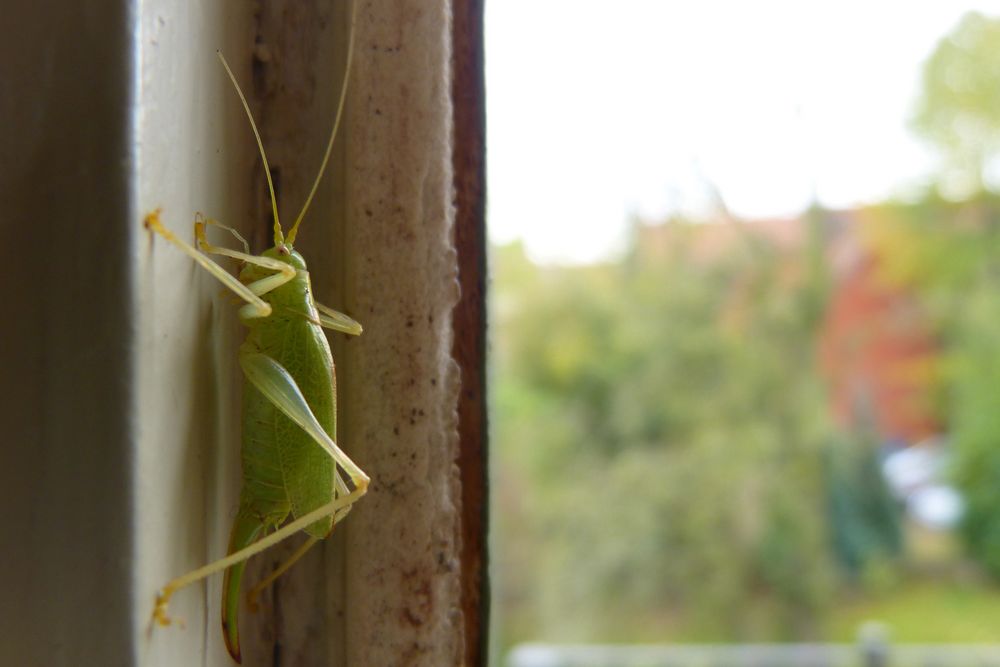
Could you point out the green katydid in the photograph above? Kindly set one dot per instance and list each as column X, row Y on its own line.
column 291, row 464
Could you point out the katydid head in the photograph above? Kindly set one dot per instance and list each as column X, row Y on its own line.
column 283, row 252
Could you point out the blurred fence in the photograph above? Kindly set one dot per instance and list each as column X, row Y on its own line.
column 863, row 654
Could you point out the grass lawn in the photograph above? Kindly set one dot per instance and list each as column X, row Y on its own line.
column 924, row 612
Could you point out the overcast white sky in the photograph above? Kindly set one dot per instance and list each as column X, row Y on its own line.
column 601, row 109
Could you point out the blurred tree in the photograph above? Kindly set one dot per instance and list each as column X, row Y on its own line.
column 959, row 107
column 659, row 429
column 865, row 518
column 975, row 379
column 956, row 261
column 949, row 252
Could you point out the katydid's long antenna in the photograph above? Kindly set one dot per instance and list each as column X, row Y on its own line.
column 336, row 125
column 279, row 237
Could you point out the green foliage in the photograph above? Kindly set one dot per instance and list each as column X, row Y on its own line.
column 976, row 422
column 936, row 246
column 957, row 266
column 950, row 253
column 659, row 430
column 959, row 109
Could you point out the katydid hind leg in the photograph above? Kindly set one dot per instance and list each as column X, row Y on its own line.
column 333, row 508
column 278, row 571
column 280, row 388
